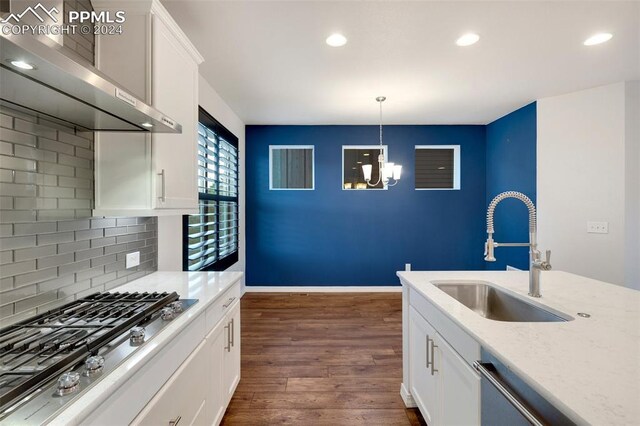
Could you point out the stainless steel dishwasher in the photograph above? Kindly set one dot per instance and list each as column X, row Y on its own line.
column 507, row 400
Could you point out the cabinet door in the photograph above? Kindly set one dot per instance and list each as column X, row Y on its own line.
column 182, row 398
column 216, row 397
column 175, row 93
column 424, row 382
column 459, row 392
column 232, row 352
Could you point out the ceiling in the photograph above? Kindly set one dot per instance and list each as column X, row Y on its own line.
column 269, row 62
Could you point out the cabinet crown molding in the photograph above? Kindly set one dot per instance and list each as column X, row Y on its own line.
column 140, row 7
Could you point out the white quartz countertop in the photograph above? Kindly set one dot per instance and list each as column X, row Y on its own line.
column 204, row 286
column 589, row 368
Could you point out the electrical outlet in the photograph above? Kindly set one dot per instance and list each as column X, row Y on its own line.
column 133, row 259
column 597, row 227
column 407, row 266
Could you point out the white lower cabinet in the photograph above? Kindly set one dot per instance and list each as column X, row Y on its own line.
column 459, row 390
column 223, row 373
column 183, row 398
column 423, row 381
column 443, row 385
column 231, row 354
column 216, row 404
column 200, row 390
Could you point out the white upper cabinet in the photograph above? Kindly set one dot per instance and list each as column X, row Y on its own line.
column 149, row 174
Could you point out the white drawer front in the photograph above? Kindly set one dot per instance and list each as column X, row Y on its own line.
column 220, row 307
column 464, row 344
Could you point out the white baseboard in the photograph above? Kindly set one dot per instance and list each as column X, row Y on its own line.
column 323, row 289
column 409, row 402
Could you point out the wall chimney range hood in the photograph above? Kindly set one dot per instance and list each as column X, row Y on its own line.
column 35, row 76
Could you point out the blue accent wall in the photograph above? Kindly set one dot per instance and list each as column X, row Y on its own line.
column 332, row 237
column 511, row 166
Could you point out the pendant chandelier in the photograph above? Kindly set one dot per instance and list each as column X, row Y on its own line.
column 386, row 171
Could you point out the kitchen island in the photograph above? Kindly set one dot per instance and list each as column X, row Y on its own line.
column 588, row 368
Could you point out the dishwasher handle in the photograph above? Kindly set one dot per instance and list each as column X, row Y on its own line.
column 486, row 369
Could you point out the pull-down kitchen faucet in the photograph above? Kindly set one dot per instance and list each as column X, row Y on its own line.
column 536, row 264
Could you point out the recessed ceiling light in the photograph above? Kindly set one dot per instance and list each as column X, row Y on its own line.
column 366, row 154
column 148, row 125
column 598, row 39
column 336, row 40
column 467, row 39
column 22, row 65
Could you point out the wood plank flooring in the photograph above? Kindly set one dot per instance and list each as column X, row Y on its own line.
column 321, row 359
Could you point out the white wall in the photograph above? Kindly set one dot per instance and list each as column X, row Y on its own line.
column 170, row 227
column 632, row 196
column 584, row 175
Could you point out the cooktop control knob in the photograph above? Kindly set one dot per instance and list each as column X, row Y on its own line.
column 136, row 335
column 68, row 383
column 177, row 306
column 167, row 314
column 93, row 365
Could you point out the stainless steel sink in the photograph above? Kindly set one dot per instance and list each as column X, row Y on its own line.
column 495, row 304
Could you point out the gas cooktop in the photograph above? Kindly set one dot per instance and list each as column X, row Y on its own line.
column 48, row 360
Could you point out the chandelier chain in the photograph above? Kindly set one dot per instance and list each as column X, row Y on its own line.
column 380, row 102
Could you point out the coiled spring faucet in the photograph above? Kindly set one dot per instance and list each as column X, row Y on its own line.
column 536, row 264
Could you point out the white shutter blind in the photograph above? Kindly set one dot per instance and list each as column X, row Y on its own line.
column 211, row 236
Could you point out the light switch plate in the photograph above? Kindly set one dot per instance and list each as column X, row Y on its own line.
column 133, row 259
column 598, row 227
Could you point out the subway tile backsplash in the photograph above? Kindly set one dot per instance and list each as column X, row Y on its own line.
column 46, row 177
column 46, row 264
column 46, row 172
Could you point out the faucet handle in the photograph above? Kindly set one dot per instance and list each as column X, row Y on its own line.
column 545, row 265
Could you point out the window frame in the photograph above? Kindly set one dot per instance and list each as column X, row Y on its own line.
column 220, row 264
column 313, row 166
column 385, row 152
column 456, row 166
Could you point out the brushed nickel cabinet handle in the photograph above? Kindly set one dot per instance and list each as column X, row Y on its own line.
column 229, row 302
column 174, row 422
column 427, row 352
column 227, row 346
column 433, row 357
column 233, row 328
column 163, row 185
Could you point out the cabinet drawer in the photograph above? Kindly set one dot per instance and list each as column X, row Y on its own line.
column 220, row 307
column 182, row 398
column 463, row 344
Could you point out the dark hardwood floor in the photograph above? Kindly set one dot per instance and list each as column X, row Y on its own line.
column 321, row 359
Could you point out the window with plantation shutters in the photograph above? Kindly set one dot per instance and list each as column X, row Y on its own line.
column 211, row 236
column 437, row 167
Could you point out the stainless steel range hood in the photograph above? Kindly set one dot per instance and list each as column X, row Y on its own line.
column 63, row 90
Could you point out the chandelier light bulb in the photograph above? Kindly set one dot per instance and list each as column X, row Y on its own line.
column 397, row 171
column 366, row 170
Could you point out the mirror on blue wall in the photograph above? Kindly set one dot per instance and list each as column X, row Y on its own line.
column 353, row 158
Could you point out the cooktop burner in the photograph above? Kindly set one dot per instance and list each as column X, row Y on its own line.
column 98, row 331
